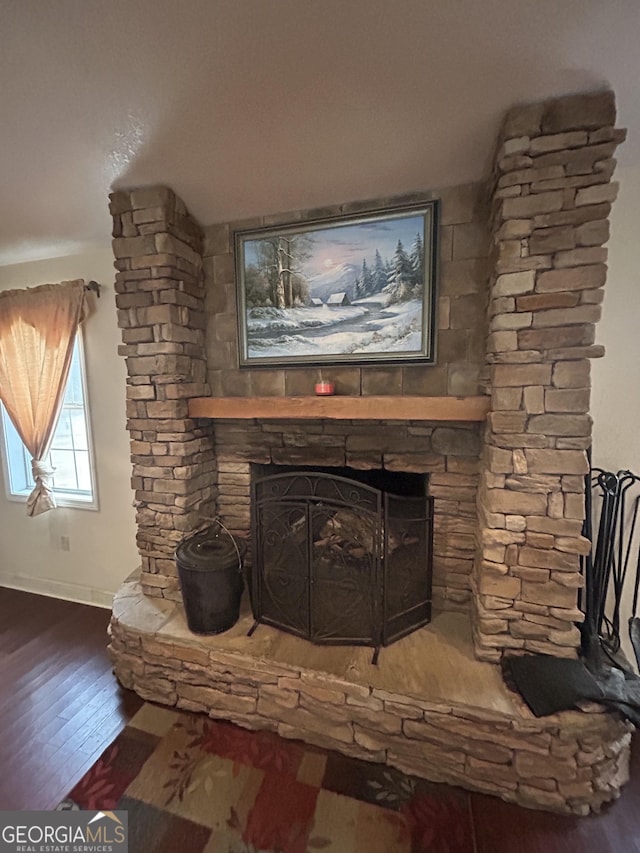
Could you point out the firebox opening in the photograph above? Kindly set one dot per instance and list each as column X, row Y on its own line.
column 405, row 483
column 338, row 557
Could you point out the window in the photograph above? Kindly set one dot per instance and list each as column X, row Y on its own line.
column 71, row 449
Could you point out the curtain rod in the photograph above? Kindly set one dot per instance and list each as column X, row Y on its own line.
column 93, row 285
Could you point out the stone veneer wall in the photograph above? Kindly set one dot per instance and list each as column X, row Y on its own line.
column 462, row 298
column 549, row 219
column 160, row 298
column 448, row 453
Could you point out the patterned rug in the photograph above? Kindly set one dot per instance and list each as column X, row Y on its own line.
column 195, row 785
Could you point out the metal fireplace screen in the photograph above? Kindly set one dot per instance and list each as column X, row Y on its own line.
column 339, row 561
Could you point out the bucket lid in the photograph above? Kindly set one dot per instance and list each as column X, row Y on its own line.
column 207, row 551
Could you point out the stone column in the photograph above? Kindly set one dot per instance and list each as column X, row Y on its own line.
column 160, row 300
column 551, row 201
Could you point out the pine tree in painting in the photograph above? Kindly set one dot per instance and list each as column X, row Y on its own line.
column 416, row 259
column 364, row 282
column 378, row 275
column 400, row 281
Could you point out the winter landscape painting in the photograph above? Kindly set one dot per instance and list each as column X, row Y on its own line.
column 358, row 289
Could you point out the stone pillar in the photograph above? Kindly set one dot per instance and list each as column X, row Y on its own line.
column 160, row 300
column 551, row 201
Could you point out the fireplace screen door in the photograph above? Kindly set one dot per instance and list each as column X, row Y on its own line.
column 338, row 561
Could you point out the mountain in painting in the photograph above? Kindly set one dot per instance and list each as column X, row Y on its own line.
column 338, row 279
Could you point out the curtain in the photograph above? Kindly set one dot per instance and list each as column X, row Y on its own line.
column 38, row 328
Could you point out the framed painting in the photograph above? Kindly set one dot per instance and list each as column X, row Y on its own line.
column 357, row 289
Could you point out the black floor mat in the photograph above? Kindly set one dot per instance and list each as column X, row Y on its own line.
column 549, row 684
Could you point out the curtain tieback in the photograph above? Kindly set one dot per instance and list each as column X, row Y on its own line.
column 41, row 498
column 41, row 469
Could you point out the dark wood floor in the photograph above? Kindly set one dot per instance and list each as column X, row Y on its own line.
column 60, row 707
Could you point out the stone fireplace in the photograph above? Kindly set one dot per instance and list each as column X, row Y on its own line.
column 521, row 272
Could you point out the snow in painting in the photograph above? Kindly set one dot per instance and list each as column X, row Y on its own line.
column 337, row 291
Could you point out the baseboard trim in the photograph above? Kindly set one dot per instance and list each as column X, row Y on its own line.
column 59, row 589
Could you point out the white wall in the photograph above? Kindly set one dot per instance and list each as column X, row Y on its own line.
column 102, row 544
column 615, row 399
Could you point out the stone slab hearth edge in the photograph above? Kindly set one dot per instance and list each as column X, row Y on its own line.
column 429, row 708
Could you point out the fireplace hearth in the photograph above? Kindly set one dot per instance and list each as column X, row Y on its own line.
column 339, row 557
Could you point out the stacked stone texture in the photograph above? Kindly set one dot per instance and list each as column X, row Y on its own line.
column 549, row 221
column 462, row 295
column 568, row 762
column 447, row 453
column 160, row 298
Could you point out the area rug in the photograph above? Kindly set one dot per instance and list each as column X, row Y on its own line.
column 195, row 785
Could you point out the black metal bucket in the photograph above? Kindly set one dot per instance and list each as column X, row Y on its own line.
column 210, row 570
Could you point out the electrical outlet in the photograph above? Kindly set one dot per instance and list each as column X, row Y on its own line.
column 65, row 543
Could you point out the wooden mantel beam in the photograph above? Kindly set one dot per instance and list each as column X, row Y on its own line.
column 342, row 408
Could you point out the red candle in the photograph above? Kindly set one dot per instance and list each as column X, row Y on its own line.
column 324, row 388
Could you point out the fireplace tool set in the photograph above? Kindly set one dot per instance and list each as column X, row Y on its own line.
column 607, row 568
column 603, row 674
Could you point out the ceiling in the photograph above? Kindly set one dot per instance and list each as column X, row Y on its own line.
column 248, row 107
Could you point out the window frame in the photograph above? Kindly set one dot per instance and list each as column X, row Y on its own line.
column 64, row 497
